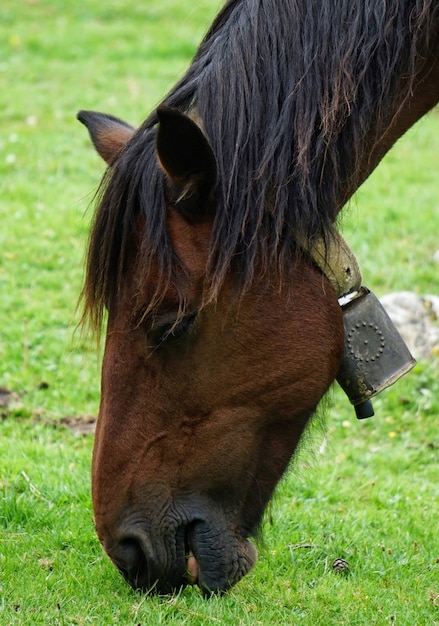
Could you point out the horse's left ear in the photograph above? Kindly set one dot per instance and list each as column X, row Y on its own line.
column 187, row 159
column 109, row 134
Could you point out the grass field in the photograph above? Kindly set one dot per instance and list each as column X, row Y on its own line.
column 367, row 492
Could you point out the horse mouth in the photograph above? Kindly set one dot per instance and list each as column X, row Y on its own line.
column 191, row 572
column 216, row 563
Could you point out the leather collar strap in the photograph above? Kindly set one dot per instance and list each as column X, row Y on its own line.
column 337, row 261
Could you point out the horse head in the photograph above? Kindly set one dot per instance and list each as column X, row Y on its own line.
column 204, row 395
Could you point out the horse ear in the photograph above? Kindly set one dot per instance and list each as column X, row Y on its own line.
column 187, row 159
column 109, row 134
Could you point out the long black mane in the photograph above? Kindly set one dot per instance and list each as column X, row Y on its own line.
column 288, row 92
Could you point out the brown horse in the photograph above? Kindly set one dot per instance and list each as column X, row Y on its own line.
column 222, row 336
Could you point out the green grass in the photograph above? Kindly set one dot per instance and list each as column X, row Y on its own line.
column 363, row 491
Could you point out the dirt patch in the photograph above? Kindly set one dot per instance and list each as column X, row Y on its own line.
column 7, row 399
column 11, row 402
column 82, row 425
column 77, row 424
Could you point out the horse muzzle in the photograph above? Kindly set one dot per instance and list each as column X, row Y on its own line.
column 198, row 552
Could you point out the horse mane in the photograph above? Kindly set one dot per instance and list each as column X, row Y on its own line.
column 288, row 92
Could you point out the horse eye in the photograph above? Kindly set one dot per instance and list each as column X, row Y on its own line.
column 172, row 331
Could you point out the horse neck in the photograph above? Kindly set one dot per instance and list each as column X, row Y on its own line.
column 407, row 110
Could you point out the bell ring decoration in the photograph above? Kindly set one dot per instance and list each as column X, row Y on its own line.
column 375, row 354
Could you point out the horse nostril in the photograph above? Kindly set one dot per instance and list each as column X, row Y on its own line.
column 153, row 568
column 131, row 562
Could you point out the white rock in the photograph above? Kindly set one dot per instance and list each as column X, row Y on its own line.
column 416, row 319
